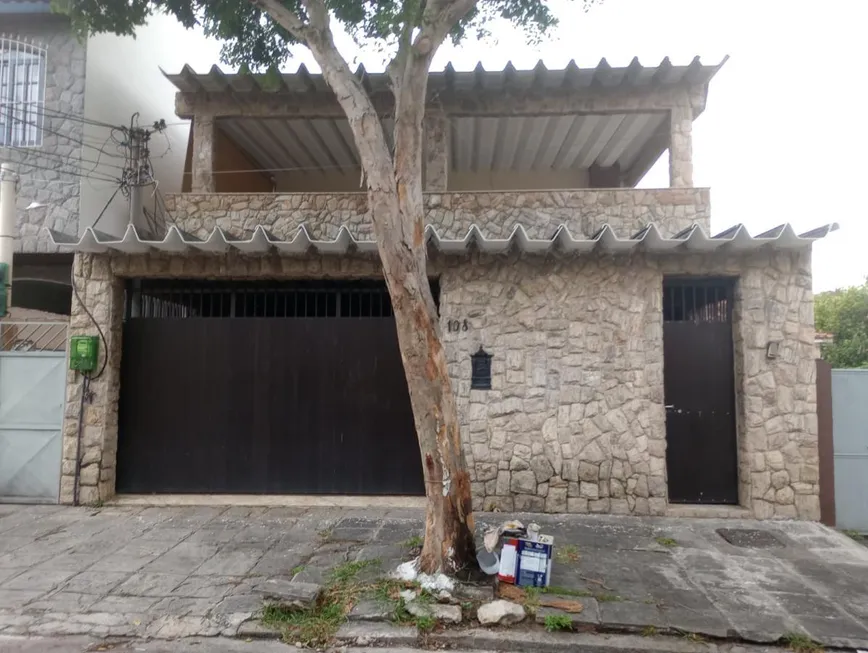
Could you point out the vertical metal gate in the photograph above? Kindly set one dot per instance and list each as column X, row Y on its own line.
column 699, row 389
column 850, row 434
column 264, row 387
column 32, row 392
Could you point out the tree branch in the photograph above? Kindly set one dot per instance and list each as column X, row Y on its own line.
column 285, row 17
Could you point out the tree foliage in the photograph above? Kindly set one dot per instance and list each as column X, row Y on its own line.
column 844, row 314
column 253, row 40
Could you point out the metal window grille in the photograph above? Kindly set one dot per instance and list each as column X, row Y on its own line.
column 32, row 336
column 22, row 93
column 242, row 299
column 693, row 300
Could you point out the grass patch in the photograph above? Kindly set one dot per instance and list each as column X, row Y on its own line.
column 693, row 637
column 666, row 541
column 425, row 624
column 556, row 622
column 567, row 553
column 800, row 643
column 346, row 572
column 649, row 631
column 607, row 598
column 325, row 534
column 295, row 571
column 853, row 535
column 414, row 542
column 316, row 626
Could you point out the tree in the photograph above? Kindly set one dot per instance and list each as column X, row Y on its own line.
column 259, row 34
column 844, row 314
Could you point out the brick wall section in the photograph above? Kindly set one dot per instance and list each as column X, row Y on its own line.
column 574, row 421
column 64, row 93
column 496, row 213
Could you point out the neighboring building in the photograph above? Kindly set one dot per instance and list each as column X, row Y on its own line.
column 59, row 97
column 607, row 354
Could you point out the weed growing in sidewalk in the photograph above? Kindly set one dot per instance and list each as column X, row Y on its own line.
column 800, row 643
column 608, row 598
column 414, row 542
column 567, row 553
column 317, row 624
column 666, row 541
column 853, row 535
column 649, row 631
column 555, row 622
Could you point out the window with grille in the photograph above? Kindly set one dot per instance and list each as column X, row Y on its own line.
column 22, row 93
column 697, row 300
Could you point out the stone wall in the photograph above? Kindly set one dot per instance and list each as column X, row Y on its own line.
column 574, row 421
column 49, row 173
column 452, row 214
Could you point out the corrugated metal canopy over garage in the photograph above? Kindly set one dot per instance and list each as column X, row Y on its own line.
column 478, row 142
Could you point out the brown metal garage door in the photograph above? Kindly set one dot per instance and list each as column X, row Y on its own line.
column 264, row 388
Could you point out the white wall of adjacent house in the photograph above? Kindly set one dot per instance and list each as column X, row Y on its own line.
column 124, row 77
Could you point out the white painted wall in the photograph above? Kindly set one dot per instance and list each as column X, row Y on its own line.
column 123, row 77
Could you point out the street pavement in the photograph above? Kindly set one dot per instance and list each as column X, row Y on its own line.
column 170, row 573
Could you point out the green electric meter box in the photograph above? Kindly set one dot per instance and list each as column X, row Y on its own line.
column 83, row 353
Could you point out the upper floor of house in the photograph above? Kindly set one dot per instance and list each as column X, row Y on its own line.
column 535, row 147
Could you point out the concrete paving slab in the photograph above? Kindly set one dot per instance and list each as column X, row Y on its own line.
column 201, row 565
column 149, row 584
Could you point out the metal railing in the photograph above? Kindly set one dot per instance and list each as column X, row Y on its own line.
column 22, row 92
column 33, row 336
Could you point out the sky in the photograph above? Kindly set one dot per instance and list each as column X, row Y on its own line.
column 784, row 135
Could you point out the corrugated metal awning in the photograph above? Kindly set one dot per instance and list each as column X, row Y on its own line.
column 603, row 75
column 649, row 239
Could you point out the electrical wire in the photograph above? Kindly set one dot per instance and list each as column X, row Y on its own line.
column 81, row 119
column 67, row 172
column 65, row 160
column 7, row 114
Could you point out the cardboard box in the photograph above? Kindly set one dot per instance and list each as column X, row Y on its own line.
column 526, row 562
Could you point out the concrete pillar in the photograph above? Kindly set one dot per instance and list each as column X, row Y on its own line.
column 103, row 294
column 204, row 150
column 436, row 157
column 681, row 147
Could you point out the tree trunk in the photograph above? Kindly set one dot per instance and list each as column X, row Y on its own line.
column 397, row 212
column 449, row 541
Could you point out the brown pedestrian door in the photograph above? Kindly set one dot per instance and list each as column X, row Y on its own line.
column 266, row 387
column 699, row 391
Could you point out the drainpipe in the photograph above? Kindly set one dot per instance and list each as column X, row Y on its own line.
column 8, row 199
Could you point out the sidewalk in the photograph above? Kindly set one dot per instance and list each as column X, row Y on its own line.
column 183, row 572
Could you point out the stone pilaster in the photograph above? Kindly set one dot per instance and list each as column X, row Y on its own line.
column 436, row 152
column 681, row 147
column 204, row 150
column 102, row 293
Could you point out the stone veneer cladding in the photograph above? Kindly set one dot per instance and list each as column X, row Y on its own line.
column 574, row 421
column 52, row 184
column 495, row 213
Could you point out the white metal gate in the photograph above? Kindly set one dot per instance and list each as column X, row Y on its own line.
column 32, row 393
column 850, row 435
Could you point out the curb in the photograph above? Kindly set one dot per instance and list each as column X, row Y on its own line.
column 364, row 634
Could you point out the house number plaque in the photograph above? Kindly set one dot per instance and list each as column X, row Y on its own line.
column 456, row 326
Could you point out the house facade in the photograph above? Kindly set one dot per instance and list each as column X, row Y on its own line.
column 608, row 355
